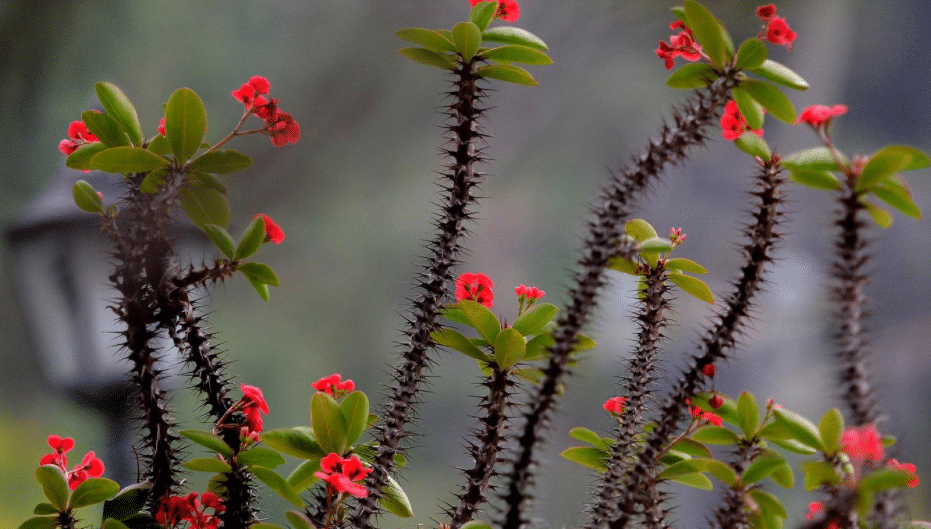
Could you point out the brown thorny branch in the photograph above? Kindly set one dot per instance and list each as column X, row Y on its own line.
column 730, row 512
column 601, row 244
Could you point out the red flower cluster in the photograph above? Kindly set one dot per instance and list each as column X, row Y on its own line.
column 177, row 509
column 682, row 45
column 529, row 293
column 475, row 287
column 703, row 415
column 733, row 124
column 814, row 508
column 709, row 370
column 777, row 29
column 334, row 385
column 79, row 135
column 820, row 115
column 91, row 466
column 615, row 405
column 280, row 126
column 907, row 467
column 676, row 236
column 508, row 10
column 863, row 444
column 273, row 231
column 161, row 126
column 342, row 474
column 715, row 401
column 252, row 405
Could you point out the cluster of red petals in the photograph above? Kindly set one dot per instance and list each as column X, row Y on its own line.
column 90, row 467
column 273, row 231
column 709, row 370
column 508, row 10
column 676, row 236
column 682, row 45
column 703, row 415
column 814, row 508
column 280, row 126
column 820, row 115
column 733, row 124
column 475, row 287
column 615, row 405
column 766, row 12
column 177, row 509
column 252, row 405
column 343, row 473
column 863, row 443
column 77, row 135
column 777, row 30
column 161, row 126
column 715, row 402
column 907, row 467
column 528, row 292
column 334, row 385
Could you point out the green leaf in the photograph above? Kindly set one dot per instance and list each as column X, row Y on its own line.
column 430, row 58
column 482, row 319
column 780, row 435
column 686, row 265
column 772, row 99
column 640, row 229
column 815, row 179
column 537, row 347
column 45, row 508
column 154, row 181
column 887, row 161
column 221, row 238
column 467, row 37
column 691, row 447
column 831, row 427
column 816, row 159
column 760, row 468
column 252, row 238
column 127, row 160
column 328, row 423
column 780, row 74
column 110, row 523
column 749, row 108
column 588, row 436
column 516, row 53
column 476, row 524
column 895, row 192
column 299, row 520
column 204, row 206
column 222, row 161
column 217, row 484
column 54, row 486
column 656, row 244
column 818, row 473
column 768, row 502
column 588, row 456
column 265, row 525
column 261, row 456
column 355, row 410
column 453, row 339
column 207, row 464
column 716, row 468
column 159, row 145
column 751, row 54
column 429, row 39
column 40, row 522
column 622, row 264
column 212, row 442
column 753, row 145
column 534, row 318
column 709, row 32
column 748, row 414
column 679, row 12
column 452, row 312
column 260, row 287
column 696, row 480
column 715, row 435
column 879, row 215
column 185, row 123
column 693, row 286
column 726, row 411
column 510, row 74
column 512, row 35
column 80, row 159
column 302, row 477
column 128, row 502
column 692, row 75
column 86, row 197
column 394, row 499
column 583, row 343
column 783, row 476
column 108, row 130
column 510, row 348
column 118, row 106
column 93, row 491
column 482, row 14
column 278, row 484
column 799, row 428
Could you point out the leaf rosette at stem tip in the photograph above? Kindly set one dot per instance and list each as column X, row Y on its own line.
column 464, row 45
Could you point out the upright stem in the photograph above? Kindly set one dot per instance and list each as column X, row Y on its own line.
column 730, row 513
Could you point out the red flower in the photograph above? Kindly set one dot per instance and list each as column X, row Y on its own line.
column 733, row 124
column 527, row 292
column 819, row 115
column 161, row 126
column 710, row 417
column 248, row 92
column 60, row 445
column 715, row 402
column 814, row 508
column 342, row 474
column 273, row 231
column 79, row 135
column 334, row 385
column 91, row 466
column 177, row 509
column 253, row 405
column 907, row 467
column 681, row 45
column 863, row 443
column 615, row 405
column 676, row 237
column 766, row 12
column 709, row 370
column 779, row 32
column 284, row 130
column 508, row 10
column 475, row 287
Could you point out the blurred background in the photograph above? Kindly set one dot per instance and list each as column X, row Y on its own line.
column 355, row 197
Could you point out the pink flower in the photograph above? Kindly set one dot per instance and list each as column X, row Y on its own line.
column 475, row 287
column 766, row 12
column 907, row 467
column 676, row 236
column 863, row 444
column 342, row 474
column 528, row 292
column 273, row 231
column 615, row 405
column 334, row 385
column 161, row 126
column 508, row 10
column 779, row 32
column 819, row 115
column 733, row 124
